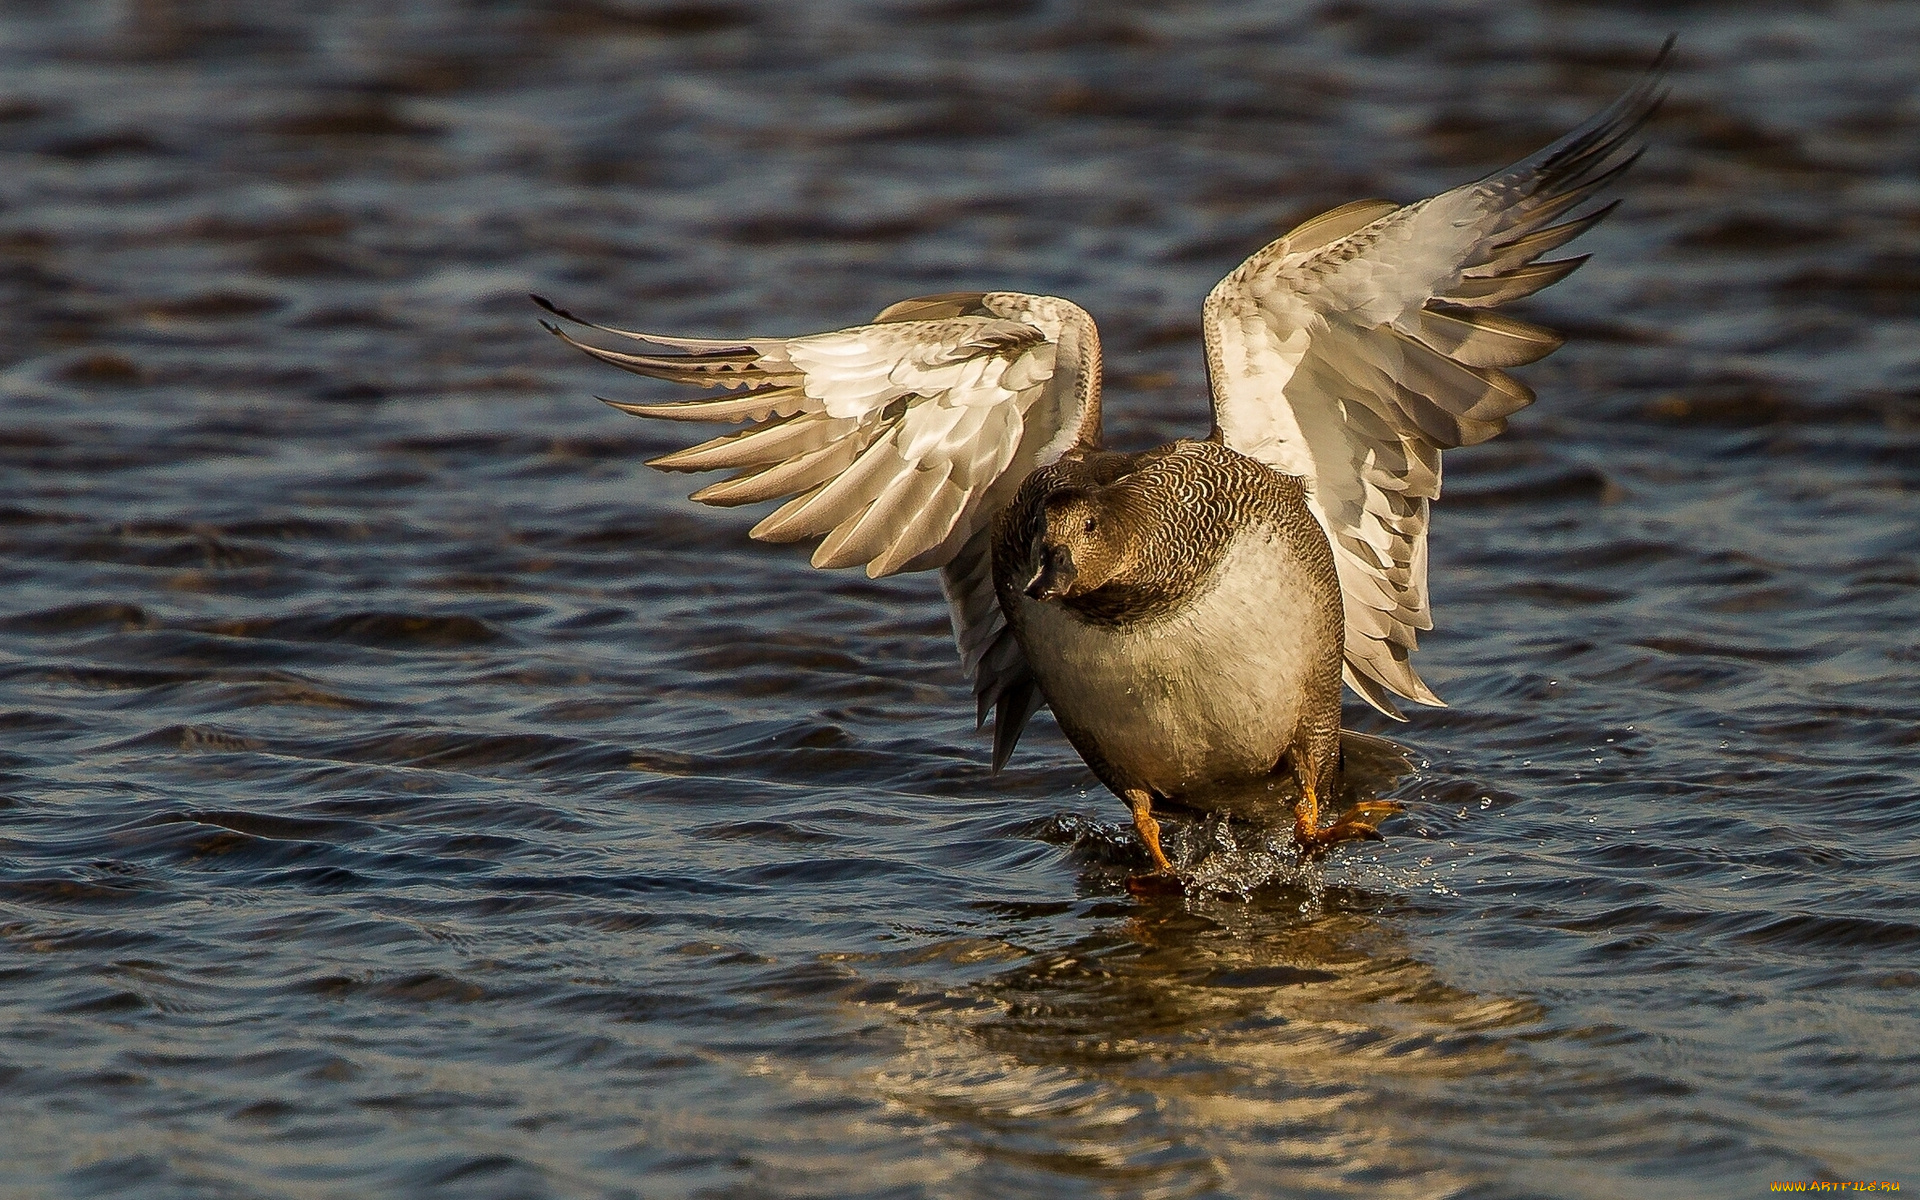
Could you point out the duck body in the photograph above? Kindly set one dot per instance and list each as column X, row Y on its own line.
column 1190, row 612
column 1181, row 614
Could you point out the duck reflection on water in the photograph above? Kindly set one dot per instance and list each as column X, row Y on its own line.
column 1204, row 1045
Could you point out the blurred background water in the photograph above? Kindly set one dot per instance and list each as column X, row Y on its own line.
column 403, row 792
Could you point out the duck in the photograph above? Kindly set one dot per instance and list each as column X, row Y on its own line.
column 1189, row 613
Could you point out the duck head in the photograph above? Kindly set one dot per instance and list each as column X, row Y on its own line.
column 1081, row 545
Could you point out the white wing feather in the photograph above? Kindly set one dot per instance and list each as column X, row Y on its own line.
column 897, row 443
column 1356, row 348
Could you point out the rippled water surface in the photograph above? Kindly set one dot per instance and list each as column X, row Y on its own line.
column 403, row 792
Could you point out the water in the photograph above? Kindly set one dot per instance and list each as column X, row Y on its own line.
column 405, row 793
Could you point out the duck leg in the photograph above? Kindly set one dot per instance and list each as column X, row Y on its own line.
column 1162, row 878
column 1142, row 805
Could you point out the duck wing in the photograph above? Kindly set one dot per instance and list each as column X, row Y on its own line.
column 1353, row 350
column 895, row 442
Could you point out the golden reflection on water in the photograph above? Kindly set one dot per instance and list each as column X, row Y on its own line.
column 1197, row 1046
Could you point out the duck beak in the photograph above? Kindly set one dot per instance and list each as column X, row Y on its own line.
column 1054, row 577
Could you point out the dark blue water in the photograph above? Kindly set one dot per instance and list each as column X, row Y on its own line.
column 403, row 792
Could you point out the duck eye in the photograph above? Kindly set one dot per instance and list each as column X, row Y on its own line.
column 1090, row 525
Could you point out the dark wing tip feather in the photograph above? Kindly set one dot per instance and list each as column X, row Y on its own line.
column 1014, row 709
column 556, row 310
column 1562, row 178
column 1574, row 158
column 1600, row 214
column 1373, row 692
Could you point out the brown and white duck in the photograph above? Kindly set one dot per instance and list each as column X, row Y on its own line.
column 1188, row 612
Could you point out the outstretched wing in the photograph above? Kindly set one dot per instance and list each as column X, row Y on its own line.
column 895, row 442
column 1356, row 348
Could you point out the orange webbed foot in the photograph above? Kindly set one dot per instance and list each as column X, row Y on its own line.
column 1361, row 823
